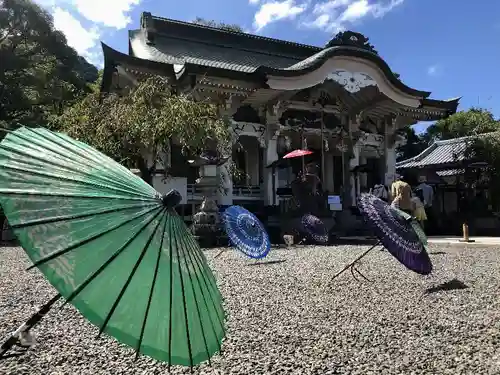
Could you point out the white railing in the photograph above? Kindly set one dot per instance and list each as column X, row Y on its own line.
column 239, row 192
column 253, row 192
column 194, row 190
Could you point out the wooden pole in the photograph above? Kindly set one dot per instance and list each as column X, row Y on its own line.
column 322, row 149
column 303, row 157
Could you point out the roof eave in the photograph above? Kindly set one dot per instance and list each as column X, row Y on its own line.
column 224, row 73
column 114, row 58
column 450, row 165
column 450, row 105
column 348, row 51
column 415, row 158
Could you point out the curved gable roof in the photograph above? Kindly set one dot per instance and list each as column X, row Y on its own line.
column 438, row 153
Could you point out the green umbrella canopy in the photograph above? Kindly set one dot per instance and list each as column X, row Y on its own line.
column 415, row 225
column 111, row 245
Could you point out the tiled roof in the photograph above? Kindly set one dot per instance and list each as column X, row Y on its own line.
column 450, row 172
column 175, row 51
column 439, row 153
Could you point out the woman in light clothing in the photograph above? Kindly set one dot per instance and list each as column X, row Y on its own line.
column 401, row 197
column 419, row 212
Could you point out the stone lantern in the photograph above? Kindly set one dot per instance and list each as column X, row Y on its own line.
column 207, row 226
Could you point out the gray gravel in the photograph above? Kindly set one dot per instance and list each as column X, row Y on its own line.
column 285, row 319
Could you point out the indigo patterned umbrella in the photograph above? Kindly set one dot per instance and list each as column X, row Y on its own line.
column 112, row 247
column 314, row 229
column 395, row 231
column 246, row 232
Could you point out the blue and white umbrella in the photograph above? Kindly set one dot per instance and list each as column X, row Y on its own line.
column 246, row 232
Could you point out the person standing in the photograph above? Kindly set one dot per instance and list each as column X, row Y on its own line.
column 428, row 199
column 419, row 211
column 401, row 193
column 427, row 191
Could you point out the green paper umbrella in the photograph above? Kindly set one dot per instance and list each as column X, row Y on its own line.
column 415, row 225
column 111, row 245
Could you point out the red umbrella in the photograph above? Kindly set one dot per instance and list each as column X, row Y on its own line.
column 297, row 153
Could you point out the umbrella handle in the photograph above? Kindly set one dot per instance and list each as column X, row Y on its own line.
column 350, row 265
column 24, row 328
column 219, row 253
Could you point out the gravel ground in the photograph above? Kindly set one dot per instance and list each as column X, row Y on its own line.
column 285, row 319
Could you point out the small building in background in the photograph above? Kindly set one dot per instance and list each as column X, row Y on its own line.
column 461, row 193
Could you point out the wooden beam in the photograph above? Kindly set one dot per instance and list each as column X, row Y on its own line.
column 313, row 108
column 369, row 105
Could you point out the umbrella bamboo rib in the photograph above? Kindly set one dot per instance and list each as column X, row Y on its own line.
column 69, row 195
column 153, row 286
column 67, row 168
column 194, row 262
column 184, row 305
column 187, row 250
column 92, row 277
column 171, row 299
column 202, row 266
column 83, row 181
column 89, row 239
column 78, row 161
column 190, row 241
column 81, row 215
column 123, row 177
column 129, row 279
column 66, row 151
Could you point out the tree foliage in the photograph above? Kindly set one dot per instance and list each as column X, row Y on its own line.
column 464, row 123
column 137, row 128
column 39, row 72
column 413, row 146
column 474, row 121
column 483, row 165
column 218, row 25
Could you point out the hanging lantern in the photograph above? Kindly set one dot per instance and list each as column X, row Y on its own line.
column 281, row 144
column 288, row 143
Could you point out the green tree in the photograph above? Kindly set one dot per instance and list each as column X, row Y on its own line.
column 464, row 123
column 218, row 25
column 96, row 85
column 483, row 165
column 39, row 72
column 137, row 128
column 414, row 145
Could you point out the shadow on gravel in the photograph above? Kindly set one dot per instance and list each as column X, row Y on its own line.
column 267, row 263
column 9, row 244
column 453, row 284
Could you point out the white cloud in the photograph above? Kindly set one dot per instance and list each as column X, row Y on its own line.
column 330, row 6
column 276, row 11
column 337, row 15
column 110, row 13
column 434, row 70
column 81, row 39
column 253, row 2
column 103, row 16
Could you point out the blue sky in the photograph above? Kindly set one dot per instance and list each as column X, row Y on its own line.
column 449, row 47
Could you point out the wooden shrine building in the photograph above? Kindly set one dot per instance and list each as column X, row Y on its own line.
column 279, row 94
